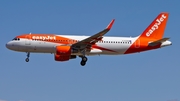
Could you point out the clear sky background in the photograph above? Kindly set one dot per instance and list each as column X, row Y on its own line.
column 147, row 76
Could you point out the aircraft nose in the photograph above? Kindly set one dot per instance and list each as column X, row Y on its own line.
column 8, row 45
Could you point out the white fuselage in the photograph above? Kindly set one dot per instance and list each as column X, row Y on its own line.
column 110, row 45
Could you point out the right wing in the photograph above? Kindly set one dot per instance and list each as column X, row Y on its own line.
column 88, row 42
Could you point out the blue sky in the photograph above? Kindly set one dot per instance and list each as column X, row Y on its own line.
column 147, row 76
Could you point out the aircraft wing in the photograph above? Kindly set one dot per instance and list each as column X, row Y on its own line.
column 88, row 42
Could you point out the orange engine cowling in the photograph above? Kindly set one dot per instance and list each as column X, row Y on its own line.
column 63, row 53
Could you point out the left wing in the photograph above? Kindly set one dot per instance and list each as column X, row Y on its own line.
column 88, row 42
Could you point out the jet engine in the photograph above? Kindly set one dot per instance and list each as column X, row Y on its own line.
column 63, row 53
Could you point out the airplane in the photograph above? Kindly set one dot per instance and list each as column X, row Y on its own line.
column 66, row 47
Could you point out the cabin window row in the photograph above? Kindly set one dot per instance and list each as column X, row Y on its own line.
column 56, row 40
column 122, row 42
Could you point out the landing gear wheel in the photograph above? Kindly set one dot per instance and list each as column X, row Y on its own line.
column 83, row 63
column 84, row 59
column 27, row 59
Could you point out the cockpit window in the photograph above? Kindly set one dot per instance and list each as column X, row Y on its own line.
column 14, row 39
column 17, row 39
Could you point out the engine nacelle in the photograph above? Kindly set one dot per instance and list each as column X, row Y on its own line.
column 63, row 53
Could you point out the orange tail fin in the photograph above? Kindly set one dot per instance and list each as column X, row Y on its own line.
column 156, row 29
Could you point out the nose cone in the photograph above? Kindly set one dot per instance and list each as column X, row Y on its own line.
column 8, row 45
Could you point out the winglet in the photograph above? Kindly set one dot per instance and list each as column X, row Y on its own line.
column 110, row 24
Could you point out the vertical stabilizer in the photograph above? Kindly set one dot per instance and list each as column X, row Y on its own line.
column 156, row 29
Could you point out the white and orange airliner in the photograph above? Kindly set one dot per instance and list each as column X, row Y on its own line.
column 66, row 47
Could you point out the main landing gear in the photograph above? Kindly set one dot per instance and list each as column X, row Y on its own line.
column 83, row 61
column 28, row 55
column 84, row 58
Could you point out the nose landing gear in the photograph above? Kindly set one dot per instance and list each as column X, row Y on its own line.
column 28, row 55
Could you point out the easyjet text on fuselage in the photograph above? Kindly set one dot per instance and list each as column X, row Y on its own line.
column 44, row 37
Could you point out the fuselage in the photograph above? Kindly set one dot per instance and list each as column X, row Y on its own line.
column 46, row 43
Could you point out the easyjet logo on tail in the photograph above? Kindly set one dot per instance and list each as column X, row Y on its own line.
column 156, row 25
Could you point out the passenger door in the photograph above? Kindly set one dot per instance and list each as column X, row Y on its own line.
column 27, row 41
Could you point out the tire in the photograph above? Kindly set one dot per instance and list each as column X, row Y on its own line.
column 83, row 63
column 27, row 59
column 84, row 59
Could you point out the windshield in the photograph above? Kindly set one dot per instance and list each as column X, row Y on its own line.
column 16, row 39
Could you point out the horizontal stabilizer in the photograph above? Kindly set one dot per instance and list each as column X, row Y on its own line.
column 154, row 43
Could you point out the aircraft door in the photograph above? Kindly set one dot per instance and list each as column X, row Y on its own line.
column 137, row 43
column 27, row 41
